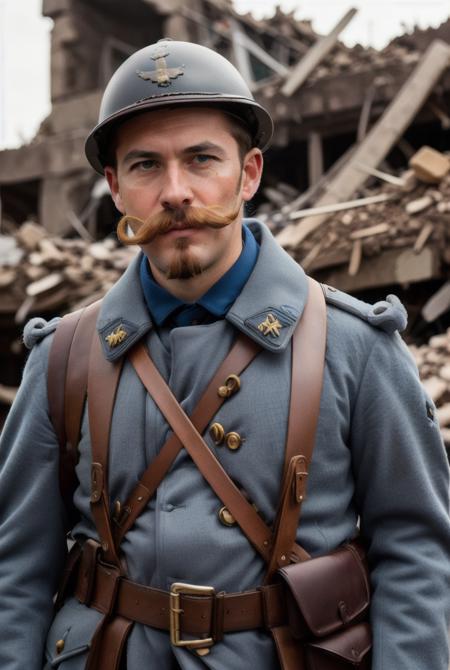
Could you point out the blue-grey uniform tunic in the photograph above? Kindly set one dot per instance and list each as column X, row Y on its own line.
column 378, row 461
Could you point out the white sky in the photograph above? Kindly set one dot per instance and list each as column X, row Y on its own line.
column 25, row 46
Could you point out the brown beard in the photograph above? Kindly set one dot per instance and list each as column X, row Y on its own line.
column 185, row 265
column 173, row 219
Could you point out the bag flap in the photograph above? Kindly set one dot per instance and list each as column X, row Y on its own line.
column 351, row 644
column 329, row 590
column 71, row 633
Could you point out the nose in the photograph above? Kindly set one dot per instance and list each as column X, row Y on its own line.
column 176, row 192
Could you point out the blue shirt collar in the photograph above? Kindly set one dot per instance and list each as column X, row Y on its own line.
column 217, row 300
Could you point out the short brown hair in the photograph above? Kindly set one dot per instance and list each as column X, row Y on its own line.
column 241, row 134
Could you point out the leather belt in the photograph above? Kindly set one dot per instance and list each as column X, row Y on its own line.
column 201, row 615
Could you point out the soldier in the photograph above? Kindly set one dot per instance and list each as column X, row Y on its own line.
column 180, row 141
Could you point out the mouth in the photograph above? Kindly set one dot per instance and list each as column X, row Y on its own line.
column 181, row 229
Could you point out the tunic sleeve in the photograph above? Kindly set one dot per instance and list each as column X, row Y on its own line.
column 32, row 537
column 402, row 493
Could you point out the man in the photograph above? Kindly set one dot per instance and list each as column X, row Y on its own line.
column 180, row 141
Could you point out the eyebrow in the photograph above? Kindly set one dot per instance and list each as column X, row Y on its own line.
column 204, row 146
column 194, row 149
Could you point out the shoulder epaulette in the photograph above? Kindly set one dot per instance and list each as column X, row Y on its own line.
column 390, row 315
column 36, row 329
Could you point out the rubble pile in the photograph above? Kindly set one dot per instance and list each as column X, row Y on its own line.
column 433, row 361
column 40, row 273
column 342, row 59
column 410, row 210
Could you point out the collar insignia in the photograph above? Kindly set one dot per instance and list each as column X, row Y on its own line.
column 162, row 75
column 270, row 326
column 116, row 337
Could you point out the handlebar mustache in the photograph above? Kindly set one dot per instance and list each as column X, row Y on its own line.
column 173, row 219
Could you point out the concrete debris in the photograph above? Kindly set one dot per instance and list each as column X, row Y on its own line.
column 370, row 232
column 10, row 253
column 416, row 206
column 444, row 415
column 430, row 165
column 394, row 218
column 7, row 394
column 45, row 284
column 433, row 361
column 435, row 388
column 29, row 235
column 39, row 273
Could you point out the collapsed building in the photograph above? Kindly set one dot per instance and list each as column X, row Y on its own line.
column 338, row 189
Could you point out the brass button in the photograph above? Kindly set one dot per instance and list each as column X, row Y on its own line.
column 232, row 385
column 60, row 646
column 217, row 432
column 233, row 441
column 226, row 517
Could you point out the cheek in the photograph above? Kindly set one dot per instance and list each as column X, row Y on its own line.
column 137, row 199
column 220, row 189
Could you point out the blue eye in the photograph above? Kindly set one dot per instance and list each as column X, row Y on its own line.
column 144, row 165
column 147, row 164
column 203, row 158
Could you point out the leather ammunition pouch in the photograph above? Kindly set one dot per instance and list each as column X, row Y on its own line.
column 327, row 601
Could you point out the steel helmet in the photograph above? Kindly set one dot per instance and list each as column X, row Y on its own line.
column 174, row 73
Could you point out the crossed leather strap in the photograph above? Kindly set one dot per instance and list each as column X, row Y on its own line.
column 104, row 585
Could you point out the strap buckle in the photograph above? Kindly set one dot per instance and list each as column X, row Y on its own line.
column 176, row 590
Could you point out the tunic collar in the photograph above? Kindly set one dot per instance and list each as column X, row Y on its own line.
column 267, row 309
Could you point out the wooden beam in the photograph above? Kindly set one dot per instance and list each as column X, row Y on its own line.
column 438, row 304
column 364, row 119
column 312, row 192
column 341, row 206
column 315, row 54
column 355, row 258
column 240, row 53
column 384, row 176
column 394, row 266
column 315, row 158
column 261, row 55
column 379, row 141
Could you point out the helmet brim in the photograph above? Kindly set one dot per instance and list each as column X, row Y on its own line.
column 251, row 113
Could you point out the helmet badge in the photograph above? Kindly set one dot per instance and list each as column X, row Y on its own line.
column 162, row 75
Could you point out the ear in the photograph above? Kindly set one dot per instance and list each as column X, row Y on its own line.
column 251, row 173
column 113, row 183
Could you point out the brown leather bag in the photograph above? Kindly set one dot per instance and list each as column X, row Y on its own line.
column 327, row 601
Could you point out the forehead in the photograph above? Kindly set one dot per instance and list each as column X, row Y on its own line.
column 159, row 128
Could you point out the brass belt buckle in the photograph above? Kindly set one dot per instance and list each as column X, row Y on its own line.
column 176, row 590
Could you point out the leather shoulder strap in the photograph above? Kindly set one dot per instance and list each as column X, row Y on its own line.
column 308, row 362
column 57, row 368
column 103, row 380
column 66, row 387
column 245, row 514
column 237, row 360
